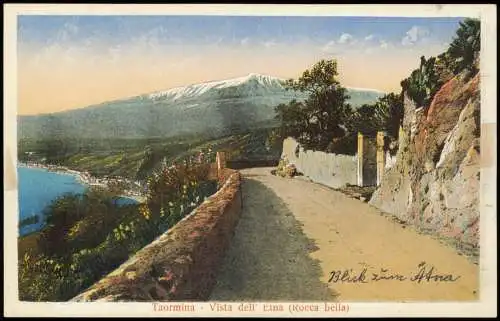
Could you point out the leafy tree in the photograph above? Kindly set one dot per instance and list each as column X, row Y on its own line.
column 465, row 47
column 363, row 120
column 293, row 118
column 423, row 82
column 318, row 119
column 444, row 67
column 389, row 112
column 386, row 114
column 60, row 215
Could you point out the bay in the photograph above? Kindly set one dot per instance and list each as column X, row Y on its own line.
column 38, row 187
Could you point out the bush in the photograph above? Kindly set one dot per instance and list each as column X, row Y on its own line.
column 285, row 169
column 423, row 82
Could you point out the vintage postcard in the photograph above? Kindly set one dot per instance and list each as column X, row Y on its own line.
column 250, row 160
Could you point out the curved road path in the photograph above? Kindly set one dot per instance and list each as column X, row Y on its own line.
column 292, row 234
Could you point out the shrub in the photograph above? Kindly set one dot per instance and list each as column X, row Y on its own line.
column 423, row 82
column 88, row 236
column 285, row 169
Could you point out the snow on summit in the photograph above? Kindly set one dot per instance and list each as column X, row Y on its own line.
column 201, row 88
column 248, row 85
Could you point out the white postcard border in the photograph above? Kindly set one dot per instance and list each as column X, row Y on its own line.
column 485, row 307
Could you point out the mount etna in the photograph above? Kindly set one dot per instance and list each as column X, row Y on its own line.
column 213, row 108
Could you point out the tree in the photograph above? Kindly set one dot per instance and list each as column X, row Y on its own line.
column 318, row 119
column 363, row 120
column 60, row 216
column 292, row 118
column 423, row 82
column 386, row 114
column 443, row 67
column 461, row 55
column 465, row 47
column 389, row 111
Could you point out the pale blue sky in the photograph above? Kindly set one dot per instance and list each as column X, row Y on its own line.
column 73, row 61
column 228, row 29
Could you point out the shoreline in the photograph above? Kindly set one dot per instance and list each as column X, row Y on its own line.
column 85, row 178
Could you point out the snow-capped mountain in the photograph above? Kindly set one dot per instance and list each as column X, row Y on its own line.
column 215, row 107
column 251, row 82
column 254, row 85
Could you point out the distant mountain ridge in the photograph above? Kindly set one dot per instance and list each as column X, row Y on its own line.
column 214, row 107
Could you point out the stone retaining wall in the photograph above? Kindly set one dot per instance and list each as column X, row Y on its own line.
column 333, row 170
column 182, row 264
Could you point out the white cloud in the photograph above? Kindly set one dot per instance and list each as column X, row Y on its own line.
column 328, row 46
column 369, row 37
column 414, row 35
column 346, row 38
column 383, row 44
column 244, row 41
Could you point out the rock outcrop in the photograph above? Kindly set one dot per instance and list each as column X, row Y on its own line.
column 434, row 183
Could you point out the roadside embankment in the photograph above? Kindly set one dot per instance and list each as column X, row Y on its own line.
column 182, row 263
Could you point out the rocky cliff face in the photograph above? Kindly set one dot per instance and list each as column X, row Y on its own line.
column 434, row 183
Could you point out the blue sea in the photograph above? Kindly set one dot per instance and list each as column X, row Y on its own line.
column 39, row 187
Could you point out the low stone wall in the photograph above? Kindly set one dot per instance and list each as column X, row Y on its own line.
column 180, row 265
column 333, row 170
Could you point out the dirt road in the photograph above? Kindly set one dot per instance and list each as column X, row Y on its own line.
column 293, row 234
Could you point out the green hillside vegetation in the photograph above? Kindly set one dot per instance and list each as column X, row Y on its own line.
column 136, row 158
column 87, row 236
column 461, row 56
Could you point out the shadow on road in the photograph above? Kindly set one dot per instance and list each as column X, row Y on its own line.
column 269, row 255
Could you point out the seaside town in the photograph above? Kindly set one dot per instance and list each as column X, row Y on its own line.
column 132, row 190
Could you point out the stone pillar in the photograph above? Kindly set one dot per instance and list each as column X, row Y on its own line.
column 221, row 161
column 360, row 159
column 380, row 157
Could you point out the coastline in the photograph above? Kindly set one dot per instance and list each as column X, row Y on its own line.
column 85, row 178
